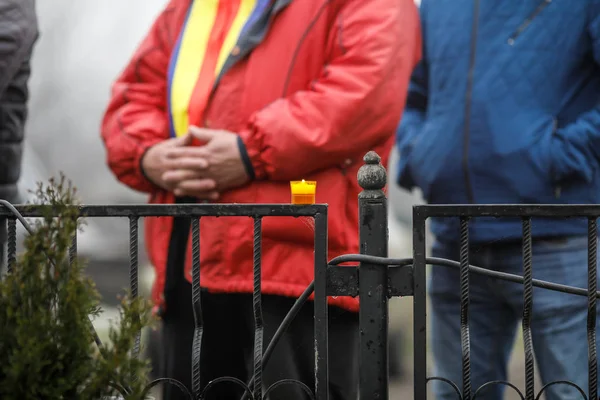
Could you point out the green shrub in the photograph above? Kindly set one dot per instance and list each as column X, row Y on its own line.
column 47, row 349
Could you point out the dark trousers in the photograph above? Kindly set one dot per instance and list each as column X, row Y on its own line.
column 228, row 342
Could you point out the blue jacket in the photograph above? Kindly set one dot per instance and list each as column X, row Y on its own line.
column 505, row 109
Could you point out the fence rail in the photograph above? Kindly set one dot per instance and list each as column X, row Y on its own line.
column 371, row 274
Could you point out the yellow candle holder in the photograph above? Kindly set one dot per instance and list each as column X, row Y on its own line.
column 303, row 192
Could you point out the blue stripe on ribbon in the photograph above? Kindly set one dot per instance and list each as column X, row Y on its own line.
column 261, row 5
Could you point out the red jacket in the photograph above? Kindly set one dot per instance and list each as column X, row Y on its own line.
column 327, row 84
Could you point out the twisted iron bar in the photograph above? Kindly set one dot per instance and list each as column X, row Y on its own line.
column 197, row 307
column 12, row 243
column 73, row 250
column 257, row 308
column 133, row 255
column 591, row 318
column 527, row 307
column 133, row 270
column 465, row 340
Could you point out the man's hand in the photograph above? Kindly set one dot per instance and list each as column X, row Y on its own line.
column 171, row 163
column 225, row 166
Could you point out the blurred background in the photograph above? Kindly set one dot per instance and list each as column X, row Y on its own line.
column 82, row 47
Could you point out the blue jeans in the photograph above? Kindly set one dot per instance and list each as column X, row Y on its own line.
column 559, row 327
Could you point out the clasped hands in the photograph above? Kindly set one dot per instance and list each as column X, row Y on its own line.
column 198, row 171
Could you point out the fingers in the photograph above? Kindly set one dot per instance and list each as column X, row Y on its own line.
column 197, row 185
column 191, row 183
column 179, row 141
column 190, row 151
column 202, row 134
column 201, row 188
column 186, row 163
column 185, row 158
column 179, row 175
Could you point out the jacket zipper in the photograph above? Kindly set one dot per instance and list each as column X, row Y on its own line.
column 466, row 137
column 528, row 21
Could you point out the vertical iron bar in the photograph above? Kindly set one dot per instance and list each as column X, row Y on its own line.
column 591, row 318
column 197, row 308
column 257, row 304
column 373, row 282
column 133, row 255
column 527, row 309
column 419, row 305
column 12, row 243
column 73, row 249
column 133, row 269
column 465, row 342
column 72, row 260
column 321, row 319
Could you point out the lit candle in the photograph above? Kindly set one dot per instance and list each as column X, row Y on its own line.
column 303, row 192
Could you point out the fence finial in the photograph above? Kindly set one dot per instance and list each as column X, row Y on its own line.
column 372, row 175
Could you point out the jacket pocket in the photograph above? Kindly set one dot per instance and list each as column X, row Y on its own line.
column 523, row 163
column 515, row 35
column 557, row 184
column 404, row 178
column 572, row 188
column 424, row 162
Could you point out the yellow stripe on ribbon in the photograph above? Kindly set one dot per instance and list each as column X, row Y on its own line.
column 192, row 48
column 190, row 54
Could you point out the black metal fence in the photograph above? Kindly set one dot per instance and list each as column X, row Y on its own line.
column 525, row 213
column 373, row 276
column 195, row 212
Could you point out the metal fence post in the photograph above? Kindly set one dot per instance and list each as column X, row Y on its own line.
column 373, row 281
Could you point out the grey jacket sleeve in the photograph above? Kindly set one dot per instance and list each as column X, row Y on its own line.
column 18, row 33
